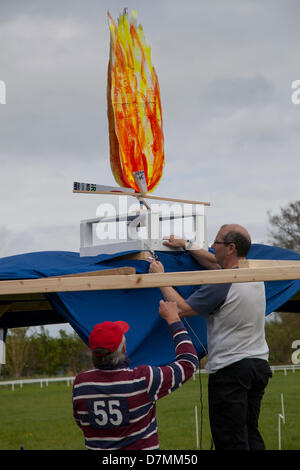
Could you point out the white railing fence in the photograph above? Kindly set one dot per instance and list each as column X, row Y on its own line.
column 285, row 368
column 41, row 381
column 69, row 380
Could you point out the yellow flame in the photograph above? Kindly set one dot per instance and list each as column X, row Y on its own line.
column 134, row 105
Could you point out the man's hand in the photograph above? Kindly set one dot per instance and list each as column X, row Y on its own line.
column 156, row 267
column 174, row 242
column 169, row 311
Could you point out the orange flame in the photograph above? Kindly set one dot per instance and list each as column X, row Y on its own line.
column 134, row 106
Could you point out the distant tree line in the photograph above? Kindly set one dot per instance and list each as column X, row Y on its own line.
column 40, row 354
column 285, row 227
column 282, row 329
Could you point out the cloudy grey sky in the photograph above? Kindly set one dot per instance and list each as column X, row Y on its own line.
column 225, row 70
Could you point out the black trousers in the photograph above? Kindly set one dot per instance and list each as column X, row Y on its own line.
column 235, row 393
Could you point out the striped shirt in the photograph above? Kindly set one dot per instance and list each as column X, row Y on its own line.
column 116, row 408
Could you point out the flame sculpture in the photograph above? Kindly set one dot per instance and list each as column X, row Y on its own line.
column 134, row 107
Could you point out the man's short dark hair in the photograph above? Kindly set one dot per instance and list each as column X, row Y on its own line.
column 241, row 242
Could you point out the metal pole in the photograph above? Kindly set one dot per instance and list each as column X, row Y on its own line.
column 196, row 421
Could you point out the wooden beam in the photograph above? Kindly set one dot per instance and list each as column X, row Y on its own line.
column 21, row 297
column 4, row 308
column 35, row 299
column 103, row 272
column 141, row 281
column 264, row 263
column 142, row 195
column 296, row 296
column 29, row 306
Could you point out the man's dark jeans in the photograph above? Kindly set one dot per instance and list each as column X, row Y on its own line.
column 235, row 393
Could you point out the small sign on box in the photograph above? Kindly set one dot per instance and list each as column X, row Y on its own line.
column 139, row 178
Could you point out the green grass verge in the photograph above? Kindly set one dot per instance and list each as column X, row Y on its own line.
column 41, row 418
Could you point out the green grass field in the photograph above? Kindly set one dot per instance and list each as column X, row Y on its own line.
column 41, row 418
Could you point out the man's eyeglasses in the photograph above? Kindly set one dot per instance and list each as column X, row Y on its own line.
column 221, row 243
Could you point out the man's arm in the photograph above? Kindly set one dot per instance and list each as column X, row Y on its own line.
column 184, row 309
column 75, row 413
column 171, row 295
column 165, row 379
column 203, row 257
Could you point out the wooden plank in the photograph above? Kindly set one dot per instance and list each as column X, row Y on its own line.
column 140, row 281
column 264, row 263
column 103, row 272
column 21, row 297
column 33, row 297
column 296, row 296
column 4, row 308
column 143, row 195
column 29, row 306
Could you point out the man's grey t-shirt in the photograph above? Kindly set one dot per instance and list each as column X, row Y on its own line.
column 235, row 318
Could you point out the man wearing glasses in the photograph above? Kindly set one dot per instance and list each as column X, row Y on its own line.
column 237, row 350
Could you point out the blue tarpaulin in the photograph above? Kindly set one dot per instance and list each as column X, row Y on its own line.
column 147, row 340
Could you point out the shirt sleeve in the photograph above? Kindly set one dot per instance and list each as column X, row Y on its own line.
column 75, row 414
column 208, row 298
column 165, row 379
